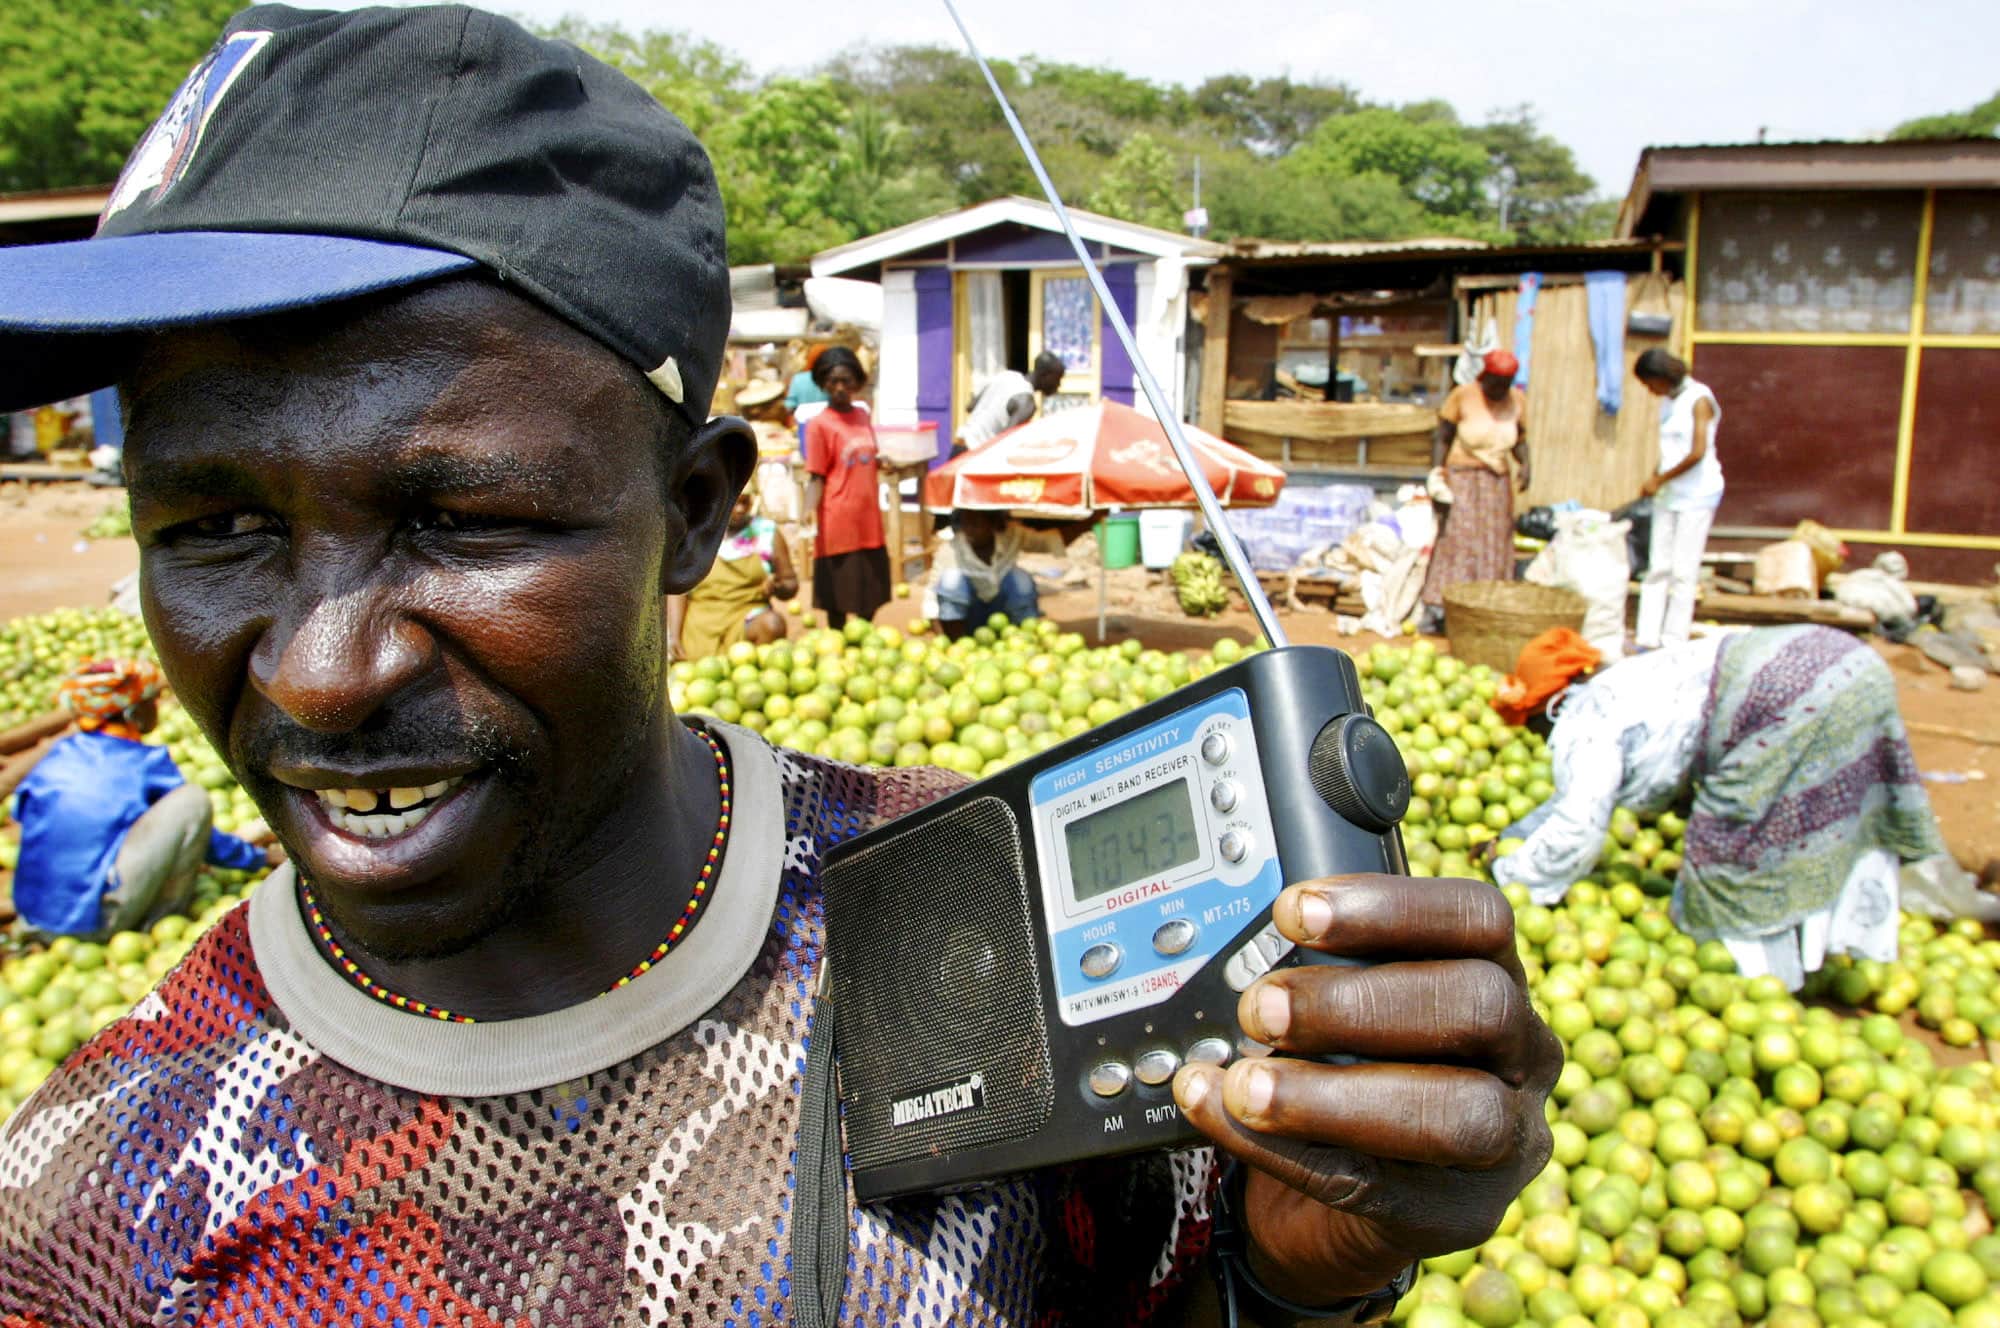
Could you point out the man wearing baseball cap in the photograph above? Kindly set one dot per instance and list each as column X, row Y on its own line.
column 417, row 319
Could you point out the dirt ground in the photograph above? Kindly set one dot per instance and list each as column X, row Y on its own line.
column 45, row 563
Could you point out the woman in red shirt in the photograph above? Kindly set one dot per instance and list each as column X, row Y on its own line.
column 850, row 557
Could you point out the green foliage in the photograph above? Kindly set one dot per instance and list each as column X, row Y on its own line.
column 1982, row 121
column 879, row 136
column 1142, row 185
column 1538, row 193
column 1428, row 155
column 81, row 79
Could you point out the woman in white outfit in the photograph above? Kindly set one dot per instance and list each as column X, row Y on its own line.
column 1685, row 494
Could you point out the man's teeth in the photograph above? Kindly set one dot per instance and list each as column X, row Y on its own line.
column 353, row 809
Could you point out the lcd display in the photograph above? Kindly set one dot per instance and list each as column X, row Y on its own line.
column 1132, row 841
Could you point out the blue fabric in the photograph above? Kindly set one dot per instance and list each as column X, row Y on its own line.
column 107, row 425
column 1017, row 599
column 183, row 277
column 1524, row 324
column 75, row 808
column 1607, row 333
column 803, row 390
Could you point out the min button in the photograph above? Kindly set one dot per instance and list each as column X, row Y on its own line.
column 1174, row 937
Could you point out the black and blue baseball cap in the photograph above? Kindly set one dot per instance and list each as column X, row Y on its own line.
column 315, row 156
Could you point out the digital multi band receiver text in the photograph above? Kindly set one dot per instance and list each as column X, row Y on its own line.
column 1019, row 968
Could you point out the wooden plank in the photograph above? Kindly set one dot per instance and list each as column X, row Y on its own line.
column 1215, row 350
column 1326, row 420
column 1777, row 609
column 27, row 734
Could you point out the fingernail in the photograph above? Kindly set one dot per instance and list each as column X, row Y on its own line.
column 1274, row 1011
column 1192, row 1088
column 1259, row 1087
column 1315, row 914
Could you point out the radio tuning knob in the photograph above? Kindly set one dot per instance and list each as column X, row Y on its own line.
column 1358, row 772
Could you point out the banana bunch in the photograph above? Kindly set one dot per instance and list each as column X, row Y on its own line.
column 1199, row 583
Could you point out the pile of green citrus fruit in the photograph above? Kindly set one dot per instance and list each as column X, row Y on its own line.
column 876, row 696
column 53, row 999
column 36, row 651
column 1725, row 1154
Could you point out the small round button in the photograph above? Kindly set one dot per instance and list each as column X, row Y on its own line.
column 1210, row 1051
column 1234, row 845
column 1156, row 1067
column 1100, row 960
column 1110, row 1078
column 1215, row 748
column 1174, row 937
column 1224, row 796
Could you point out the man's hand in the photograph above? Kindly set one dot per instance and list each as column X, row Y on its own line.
column 274, row 854
column 1521, row 479
column 1415, row 1151
column 1650, row 487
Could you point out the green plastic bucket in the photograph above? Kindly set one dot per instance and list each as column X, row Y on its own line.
column 1118, row 540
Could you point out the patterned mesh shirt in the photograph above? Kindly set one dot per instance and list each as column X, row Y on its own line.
column 258, row 1142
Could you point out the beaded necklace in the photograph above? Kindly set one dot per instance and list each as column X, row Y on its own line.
column 346, row 965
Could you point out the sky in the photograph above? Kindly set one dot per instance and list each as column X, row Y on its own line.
column 1607, row 77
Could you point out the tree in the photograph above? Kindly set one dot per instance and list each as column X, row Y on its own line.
column 1251, row 197
column 1432, row 158
column 1536, row 192
column 1142, row 185
column 1982, row 121
column 699, row 81
column 81, row 80
column 1274, row 115
column 780, row 163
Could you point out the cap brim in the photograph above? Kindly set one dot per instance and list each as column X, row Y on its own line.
column 69, row 312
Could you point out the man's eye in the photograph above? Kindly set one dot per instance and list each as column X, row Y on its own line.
column 440, row 519
column 226, row 525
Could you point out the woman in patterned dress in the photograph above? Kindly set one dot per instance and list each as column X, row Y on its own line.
column 1806, row 798
column 1482, row 446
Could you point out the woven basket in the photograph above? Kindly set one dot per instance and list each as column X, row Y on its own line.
column 1489, row 621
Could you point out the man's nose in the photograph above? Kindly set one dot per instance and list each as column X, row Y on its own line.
column 340, row 658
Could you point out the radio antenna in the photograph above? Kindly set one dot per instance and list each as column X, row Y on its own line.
column 1211, row 509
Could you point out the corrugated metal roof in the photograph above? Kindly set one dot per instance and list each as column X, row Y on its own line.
column 1427, row 247
column 1902, row 163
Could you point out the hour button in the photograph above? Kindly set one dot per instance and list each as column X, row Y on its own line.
column 1174, row 937
column 1100, row 960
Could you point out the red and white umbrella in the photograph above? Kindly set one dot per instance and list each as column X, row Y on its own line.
column 1100, row 457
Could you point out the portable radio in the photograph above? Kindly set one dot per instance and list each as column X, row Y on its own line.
column 1020, row 968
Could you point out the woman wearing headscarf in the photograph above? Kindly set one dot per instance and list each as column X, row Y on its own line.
column 850, row 555
column 112, row 836
column 1482, row 446
column 1806, row 798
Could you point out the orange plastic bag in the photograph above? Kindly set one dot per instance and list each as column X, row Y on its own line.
column 1548, row 664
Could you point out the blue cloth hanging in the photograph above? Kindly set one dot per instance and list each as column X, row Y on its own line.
column 1607, row 335
column 1524, row 324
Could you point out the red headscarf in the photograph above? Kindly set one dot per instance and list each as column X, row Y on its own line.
column 1500, row 363
column 1547, row 665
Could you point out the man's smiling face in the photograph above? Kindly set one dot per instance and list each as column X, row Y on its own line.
column 403, row 561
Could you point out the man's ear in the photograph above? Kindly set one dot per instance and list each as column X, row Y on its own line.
column 702, row 484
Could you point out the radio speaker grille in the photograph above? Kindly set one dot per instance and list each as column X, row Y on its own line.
column 935, row 977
